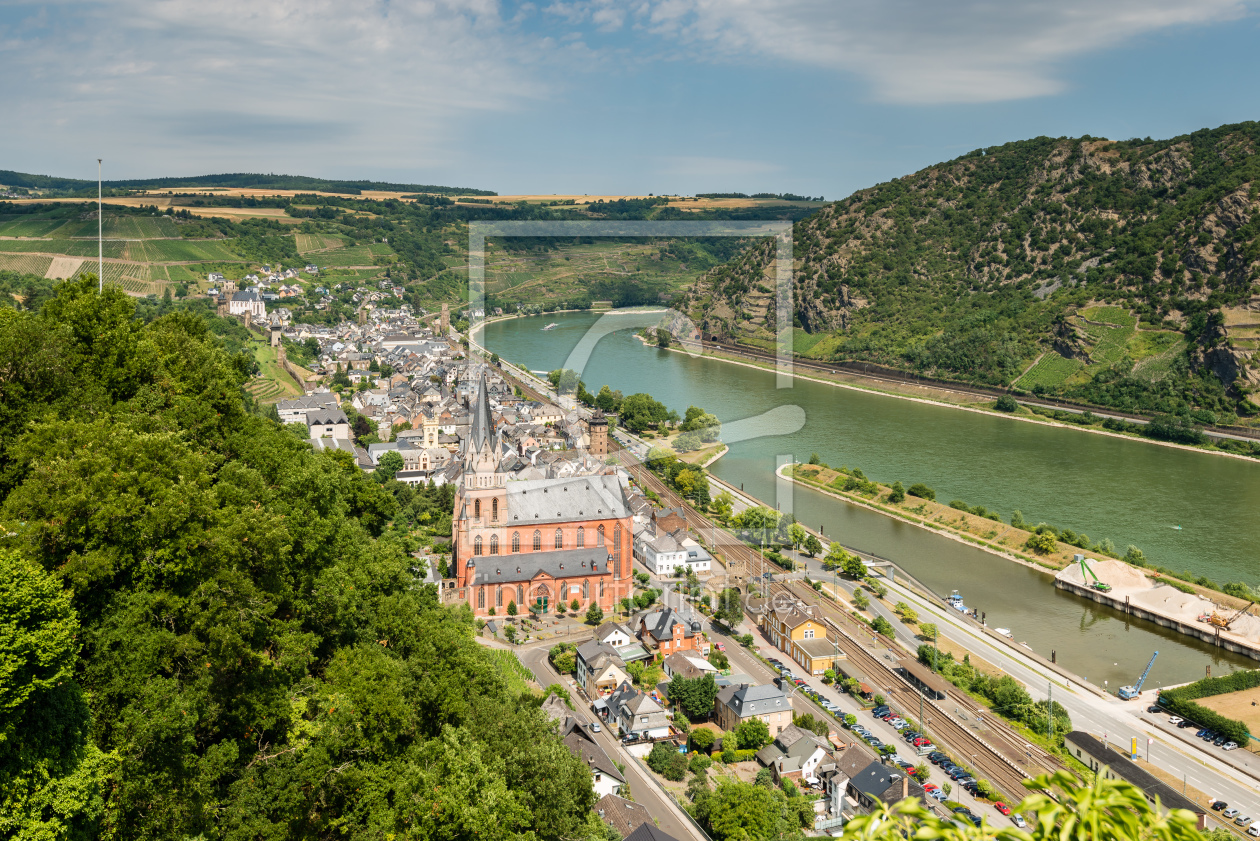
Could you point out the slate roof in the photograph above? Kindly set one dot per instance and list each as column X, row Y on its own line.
column 566, row 500
column 592, row 755
column 325, row 417
column 649, row 832
column 659, row 624
column 525, row 566
column 596, row 655
column 482, row 423
column 883, row 782
column 624, row 815
column 749, row 700
column 310, row 401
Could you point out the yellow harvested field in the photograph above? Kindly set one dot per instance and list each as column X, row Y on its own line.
column 63, row 267
column 1241, row 706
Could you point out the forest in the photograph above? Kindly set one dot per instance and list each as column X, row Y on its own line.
column 208, row 630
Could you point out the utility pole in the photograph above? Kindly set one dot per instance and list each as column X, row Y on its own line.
column 100, row 227
column 1050, row 712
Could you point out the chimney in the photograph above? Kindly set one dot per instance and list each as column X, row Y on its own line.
column 905, row 787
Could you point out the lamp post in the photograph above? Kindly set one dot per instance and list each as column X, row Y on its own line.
column 100, row 228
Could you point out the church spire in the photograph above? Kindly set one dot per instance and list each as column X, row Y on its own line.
column 482, row 423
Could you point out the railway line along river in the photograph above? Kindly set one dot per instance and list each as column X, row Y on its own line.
column 1107, row 487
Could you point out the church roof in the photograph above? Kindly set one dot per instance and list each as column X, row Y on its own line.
column 482, row 423
column 524, row 566
column 565, row 500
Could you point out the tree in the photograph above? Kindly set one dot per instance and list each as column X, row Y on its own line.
column 389, row 465
column 814, row 725
column 752, row 733
column 563, row 658
column 730, row 608
column 829, row 676
column 922, row 491
column 796, row 534
column 1042, row 543
column 694, row 696
column 813, row 547
column 921, row 772
column 575, row 605
column 927, row 630
column 910, row 616
column 608, row 400
column 882, row 626
column 1006, row 403
column 898, row 493
column 659, row 757
column 594, row 615
column 759, row 520
column 860, row 601
column 510, row 632
column 702, row 739
column 512, row 608
column 723, row 504
column 639, row 411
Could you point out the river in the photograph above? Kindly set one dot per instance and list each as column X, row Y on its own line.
column 1106, row 487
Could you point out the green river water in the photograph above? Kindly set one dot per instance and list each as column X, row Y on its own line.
column 1125, row 490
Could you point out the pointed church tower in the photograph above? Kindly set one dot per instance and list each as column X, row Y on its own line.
column 481, row 502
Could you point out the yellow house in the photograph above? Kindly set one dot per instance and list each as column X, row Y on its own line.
column 803, row 637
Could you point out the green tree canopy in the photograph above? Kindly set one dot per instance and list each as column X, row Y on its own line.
column 694, row 696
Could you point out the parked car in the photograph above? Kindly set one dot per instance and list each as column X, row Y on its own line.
column 1172, row 719
column 1230, row 746
column 594, row 726
column 1018, row 820
column 1254, row 830
column 1201, row 732
column 1243, row 821
column 937, row 757
column 1185, row 724
column 1152, row 709
column 1003, row 808
column 1230, row 813
column 1219, row 741
column 1218, row 805
column 930, row 787
column 875, row 743
column 937, row 794
column 921, row 741
column 720, row 646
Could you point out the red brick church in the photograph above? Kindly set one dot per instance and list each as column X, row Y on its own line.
column 536, row 542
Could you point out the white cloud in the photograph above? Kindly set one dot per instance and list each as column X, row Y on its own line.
column 929, row 51
column 179, row 86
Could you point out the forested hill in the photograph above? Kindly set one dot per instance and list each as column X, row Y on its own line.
column 1126, row 271
column 238, row 180
column 209, row 631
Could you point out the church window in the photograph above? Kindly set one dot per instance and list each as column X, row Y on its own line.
column 494, row 544
column 477, row 509
column 498, row 597
column 616, row 539
column 481, row 598
column 581, row 536
column 586, row 590
column 516, row 541
column 494, row 510
column 477, row 545
column 537, row 540
column 599, row 536
column 601, row 589
column 559, row 539
column 520, row 594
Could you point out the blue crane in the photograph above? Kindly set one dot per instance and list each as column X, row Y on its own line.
column 1128, row 693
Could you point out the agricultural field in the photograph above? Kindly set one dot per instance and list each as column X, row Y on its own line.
column 307, row 243
column 1051, row 370
column 68, row 247
column 189, row 250
column 25, row 264
column 134, row 277
column 1243, row 706
column 25, row 226
column 355, row 255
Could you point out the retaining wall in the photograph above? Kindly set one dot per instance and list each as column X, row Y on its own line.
column 1207, row 633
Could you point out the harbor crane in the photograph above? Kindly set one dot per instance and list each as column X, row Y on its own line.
column 1128, row 693
column 1088, row 573
column 1216, row 620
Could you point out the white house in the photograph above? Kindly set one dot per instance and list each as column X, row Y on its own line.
column 663, row 552
column 614, row 634
column 328, row 423
column 636, row 714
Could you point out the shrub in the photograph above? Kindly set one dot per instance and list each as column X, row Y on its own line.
column 702, row 739
column 898, row 493
column 699, row 763
column 1006, row 403
column 922, row 491
column 1043, row 543
column 676, row 768
column 661, row 755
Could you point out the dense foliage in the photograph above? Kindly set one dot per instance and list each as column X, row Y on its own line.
column 208, row 630
column 970, row 269
column 1181, row 700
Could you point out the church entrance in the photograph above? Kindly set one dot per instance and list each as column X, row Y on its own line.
column 541, row 600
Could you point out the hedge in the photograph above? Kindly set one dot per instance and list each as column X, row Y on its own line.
column 1182, row 702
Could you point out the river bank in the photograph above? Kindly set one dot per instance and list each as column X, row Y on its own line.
column 964, row 401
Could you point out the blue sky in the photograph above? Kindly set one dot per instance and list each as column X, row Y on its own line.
column 819, row 97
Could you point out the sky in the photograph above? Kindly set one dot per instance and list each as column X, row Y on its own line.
column 815, row 97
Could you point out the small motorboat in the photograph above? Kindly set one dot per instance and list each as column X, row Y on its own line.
column 552, row 326
column 1006, row 632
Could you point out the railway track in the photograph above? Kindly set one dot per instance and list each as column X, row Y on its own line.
column 991, row 750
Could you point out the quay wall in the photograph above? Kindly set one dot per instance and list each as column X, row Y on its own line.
column 1206, row 633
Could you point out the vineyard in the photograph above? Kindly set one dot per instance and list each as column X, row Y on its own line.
column 68, row 247
column 307, row 243
column 25, row 263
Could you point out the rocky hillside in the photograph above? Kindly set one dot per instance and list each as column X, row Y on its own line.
column 1118, row 272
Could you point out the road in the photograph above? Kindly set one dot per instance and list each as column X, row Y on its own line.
column 667, row 813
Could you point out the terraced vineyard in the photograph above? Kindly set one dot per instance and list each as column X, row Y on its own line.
column 1112, row 338
column 355, row 255
column 307, row 243
column 68, row 247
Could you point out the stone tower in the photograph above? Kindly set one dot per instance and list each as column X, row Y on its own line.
column 598, row 426
column 481, row 501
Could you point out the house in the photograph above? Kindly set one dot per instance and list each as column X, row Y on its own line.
column 666, row 631
column 797, row 754
column 623, row 815
column 881, row 783
column 605, row 778
column 636, row 714
column 800, row 634
column 599, row 670
column 664, row 552
column 295, row 409
column 688, row 665
column 736, row 704
column 1111, row 764
column 614, row 634
column 649, row 832
column 328, row 423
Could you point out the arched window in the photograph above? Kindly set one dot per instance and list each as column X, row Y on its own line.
column 477, row 509
column 520, row 594
column 494, row 544
column 537, row 540
column 559, row 539
column 516, row 541
column 581, row 536
column 601, row 589
column 616, row 539
column 586, row 590
column 477, row 545
column 564, row 590
column 481, row 598
column 599, row 536
column 494, row 510
column 498, row 597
